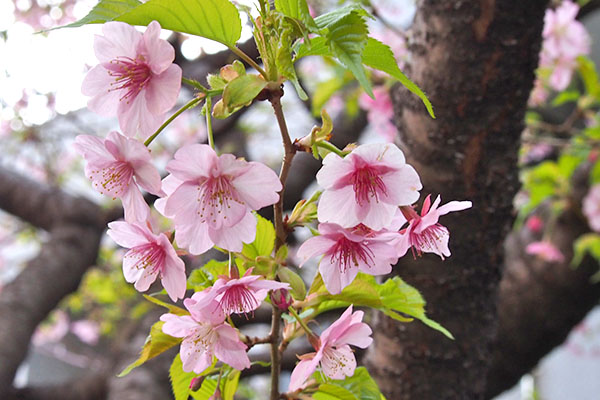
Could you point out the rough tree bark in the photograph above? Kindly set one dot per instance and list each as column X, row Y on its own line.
column 476, row 61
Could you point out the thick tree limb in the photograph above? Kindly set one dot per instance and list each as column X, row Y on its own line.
column 490, row 50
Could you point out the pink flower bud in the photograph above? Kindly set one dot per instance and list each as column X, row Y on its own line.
column 282, row 299
column 196, row 383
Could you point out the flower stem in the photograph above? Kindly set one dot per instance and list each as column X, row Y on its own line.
column 209, row 131
column 189, row 104
column 293, row 312
column 248, row 60
column 331, row 147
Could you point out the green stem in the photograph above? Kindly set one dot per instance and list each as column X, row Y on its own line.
column 248, row 60
column 209, row 131
column 190, row 104
column 293, row 312
column 331, row 147
column 195, row 83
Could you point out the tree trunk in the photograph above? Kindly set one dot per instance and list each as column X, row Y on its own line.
column 476, row 61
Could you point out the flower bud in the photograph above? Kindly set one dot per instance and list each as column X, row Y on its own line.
column 281, row 298
column 216, row 396
column 196, row 383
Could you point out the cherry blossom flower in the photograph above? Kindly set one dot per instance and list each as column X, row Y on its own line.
column 115, row 165
column 546, row 251
column 245, row 294
column 563, row 34
column 424, row 234
column 149, row 256
column 347, row 251
column 535, row 224
column 375, row 176
column 136, row 79
column 334, row 354
column 591, row 207
column 380, row 112
column 210, row 198
column 205, row 335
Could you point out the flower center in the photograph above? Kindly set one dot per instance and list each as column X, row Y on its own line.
column 238, row 299
column 334, row 361
column 149, row 255
column 131, row 75
column 367, row 183
column 348, row 254
column 113, row 179
column 428, row 239
column 216, row 196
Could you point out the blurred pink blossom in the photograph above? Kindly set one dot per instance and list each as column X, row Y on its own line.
column 380, row 112
column 546, row 251
column 591, row 207
column 535, row 224
column 53, row 331
column 87, row 331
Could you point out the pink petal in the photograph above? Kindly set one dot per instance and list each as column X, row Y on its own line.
column 258, row 176
column 135, row 207
column 173, row 277
column 230, row 349
column 163, row 90
column 334, row 169
column 338, row 206
column 146, row 279
column 178, row 326
column 97, row 83
column 125, row 234
column 159, row 53
column 93, row 150
column 302, row 372
column 192, row 161
column 119, row 40
column 231, row 238
column 386, row 153
column 402, row 186
column 314, row 246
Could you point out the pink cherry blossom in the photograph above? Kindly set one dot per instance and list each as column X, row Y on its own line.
column 535, row 224
column 347, row 251
column 205, row 335
column 136, row 79
column 149, row 256
column 546, row 251
column 591, row 207
column 116, row 166
column 375, row 176
column 424, row 234
column 245, row 294
column 563, row 34
column 210, row 198
column 380, row 112
column 334, row 354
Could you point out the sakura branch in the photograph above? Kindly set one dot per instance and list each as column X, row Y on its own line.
column 364, row 213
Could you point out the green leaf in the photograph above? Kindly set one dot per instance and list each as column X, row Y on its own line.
column 347, row 38
column 567, row 96
column 242, row 90
column 586, row 244
column 316, row 47
column 324, row 91
column 298, row 288
column 104, row 11
column 216, row 268
column 199, row 280
column 264, row 242
column 297, row 9
column 359, row 386
column 218, row 20
column 398, row 296
column 156, row 343
column 589, row 75
column 379, row 56
column 228, row 386
column 180, row 380
column 333, row 17
column 171, row 307
column 285, row 65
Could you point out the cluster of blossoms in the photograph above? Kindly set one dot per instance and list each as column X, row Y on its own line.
column 365, row 213
column 565, row 39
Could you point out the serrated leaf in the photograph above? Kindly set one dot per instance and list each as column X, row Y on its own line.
column 218, row 20
column 180, row 380
column 317, row 47
column 297, row 9
column 379, row 56
column 347, row 38
column 242, row 90
column 104, row 11
column 171, row 307
column 264, row 242
column 156, row 343
column 333, row 17
column 360, row 386
column 284, row 63
column 398, row 296
column 215, row 82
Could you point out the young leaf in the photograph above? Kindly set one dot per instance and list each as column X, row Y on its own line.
column 180, row 380
column 359, row 386
column 242, row 90
column 264, row 242
column 298, row 288
column 347, row 38
column 104, row 11
column 156, row 343
column 218, row 20
column 284, row 63
column 297, row 9
column 586, row 244
column 317, row 47
column 331, row 18
column 171, row 307
column 379, row 56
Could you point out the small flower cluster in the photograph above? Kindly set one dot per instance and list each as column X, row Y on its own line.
column 565, row 39
column 366, row 223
